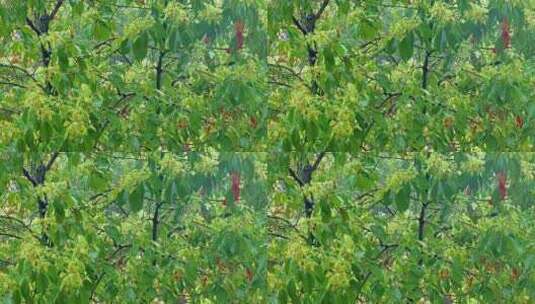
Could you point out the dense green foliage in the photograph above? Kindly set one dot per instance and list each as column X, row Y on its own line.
column 280, row 151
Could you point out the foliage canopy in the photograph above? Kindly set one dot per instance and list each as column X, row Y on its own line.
column 280, row 151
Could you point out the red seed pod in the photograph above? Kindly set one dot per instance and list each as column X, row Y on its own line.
column 249, row 274
column 467, row 191
column 124, row 112
column 206, row 39
column 235, row 187
column 186, row 147
column 506, row 34
column 502, row 184
column 515, row 273
column 254, row 123
column 519, row 120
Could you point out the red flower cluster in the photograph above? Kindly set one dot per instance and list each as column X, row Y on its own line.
column 239, row 27
column 235, row 187
column 506, row 34
column 502, row 184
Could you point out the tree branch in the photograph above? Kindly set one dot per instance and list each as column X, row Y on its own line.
column 425, row 70
column 55, row 9
column 20, row 222
column 294, row 175
column 282, row 84
column 278, row 235
column 52, row 160
column 12, row 84
column 290, row 70
column 16, row 67
column 29, row 177
column 10, row 235
column 33, row 27
column 318, row 160
column 322, row 9
column 156, row 221
column 421, row 221
column 159, row 70
column 299, row 26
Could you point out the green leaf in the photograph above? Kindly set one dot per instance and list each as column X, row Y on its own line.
column 140, row 46
column 172, row 39
column 63, row 60
column 101, row 30
column 135, row 199
column 402, row 198
column 25, row 289
column 406, row 47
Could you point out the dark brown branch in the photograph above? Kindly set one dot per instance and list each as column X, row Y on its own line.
column 421, row 221
column 12, row 84
column 33, row 27
column 97, row 282
column 299, row 26
column 29, row 177
column 282, row 84
column 9, row 111
column 52, row 160
column 20, row 222
column 318, row 160
column 18, row 68
column 294, row 73
column 425, row 70
column 156, row 221
column 322, row 9
column 294, row 175
column 55, row 9
column 279, row 235
column 10, row 235
column 159, row 70
column 275, row 217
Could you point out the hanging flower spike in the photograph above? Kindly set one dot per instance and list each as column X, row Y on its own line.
column 235, row 188
column 506, row 34
column 239, row 26
column 502, row 185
